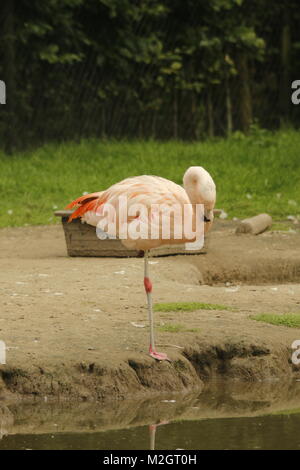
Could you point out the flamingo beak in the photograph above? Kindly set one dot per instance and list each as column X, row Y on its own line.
column 207, row 215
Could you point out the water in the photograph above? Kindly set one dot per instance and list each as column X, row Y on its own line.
column 228, row 415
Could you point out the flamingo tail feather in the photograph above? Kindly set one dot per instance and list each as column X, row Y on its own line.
column 88, row 202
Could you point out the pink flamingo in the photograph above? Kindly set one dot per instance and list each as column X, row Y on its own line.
column 151, row 191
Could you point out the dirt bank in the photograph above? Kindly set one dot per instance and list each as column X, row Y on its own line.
column 67, row 322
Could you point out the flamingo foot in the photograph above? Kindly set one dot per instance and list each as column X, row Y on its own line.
column 158, row 356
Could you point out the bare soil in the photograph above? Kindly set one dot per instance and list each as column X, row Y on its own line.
column 70, row 323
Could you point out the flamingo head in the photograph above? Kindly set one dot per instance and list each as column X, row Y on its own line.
column 201, row 189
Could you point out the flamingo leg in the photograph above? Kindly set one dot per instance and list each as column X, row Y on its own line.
column 152, row 432
column 148, row 289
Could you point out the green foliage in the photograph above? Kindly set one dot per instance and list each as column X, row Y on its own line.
column 146, row 67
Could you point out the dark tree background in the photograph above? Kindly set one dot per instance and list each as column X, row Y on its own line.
column 161, row 69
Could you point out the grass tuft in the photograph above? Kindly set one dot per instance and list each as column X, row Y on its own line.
column 288, row 412
column 177, row 328
column 281, row 227
column 291, row 320
column 188, row 307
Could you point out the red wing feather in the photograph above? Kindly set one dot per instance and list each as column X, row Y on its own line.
column 88, row 202
column 83, row 200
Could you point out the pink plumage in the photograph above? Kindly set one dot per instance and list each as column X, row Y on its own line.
column 150, row 192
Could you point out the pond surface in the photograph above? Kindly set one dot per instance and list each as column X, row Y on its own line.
column 226, row 415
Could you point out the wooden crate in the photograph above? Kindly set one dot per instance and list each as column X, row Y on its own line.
column 81, row 240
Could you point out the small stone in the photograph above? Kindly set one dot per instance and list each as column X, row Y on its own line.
column 291, row 202
column 137, row 325
column 223, row 215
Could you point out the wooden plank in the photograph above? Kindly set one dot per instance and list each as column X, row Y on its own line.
column 125, row 253
column 63, row 213
column 68, row 212
column 115, row 246
column 255, row 225
column 88, row 253
column 82, row 240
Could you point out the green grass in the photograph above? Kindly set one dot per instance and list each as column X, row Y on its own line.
column 188, row 307
column 253, row 174
column 282, row 227
column 291, row 320
column 177, row 328
column 285, row 412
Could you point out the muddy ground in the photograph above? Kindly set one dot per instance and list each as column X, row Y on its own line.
column 68, row 323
